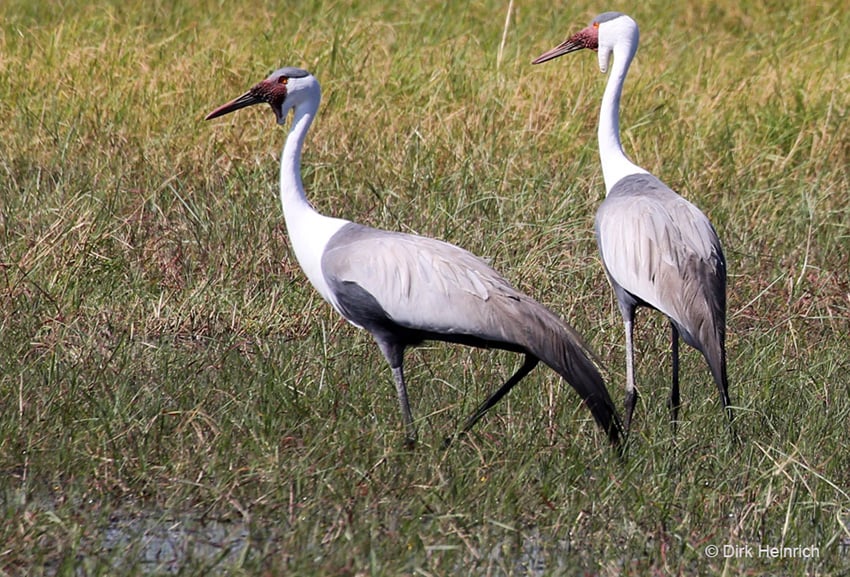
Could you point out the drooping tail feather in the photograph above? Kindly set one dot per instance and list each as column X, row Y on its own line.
column 571, row 362
column 715, row 356
column 559, row 346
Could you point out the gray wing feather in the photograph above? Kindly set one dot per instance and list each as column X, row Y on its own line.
column 661, row 248
column 422, row 283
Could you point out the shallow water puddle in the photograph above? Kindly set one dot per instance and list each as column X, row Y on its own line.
column 168, row 544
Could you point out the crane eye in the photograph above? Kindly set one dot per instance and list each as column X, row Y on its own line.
column 283, row 80
column 596, row 24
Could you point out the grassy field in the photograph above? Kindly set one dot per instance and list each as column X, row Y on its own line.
column 176, row 399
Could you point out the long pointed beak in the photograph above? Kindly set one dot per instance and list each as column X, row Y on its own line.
column 248, row 99
column 571, row 44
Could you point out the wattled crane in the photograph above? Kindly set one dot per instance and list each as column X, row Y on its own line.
column 405, row 289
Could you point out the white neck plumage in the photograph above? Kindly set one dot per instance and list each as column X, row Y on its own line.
column 309, row 231
column 292, row 194
column 615, row 164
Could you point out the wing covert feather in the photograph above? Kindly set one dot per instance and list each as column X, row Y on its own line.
column 424, row 283
column 661, row 248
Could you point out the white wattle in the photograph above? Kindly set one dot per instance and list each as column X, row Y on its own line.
column 615, row 164
column 309, row 231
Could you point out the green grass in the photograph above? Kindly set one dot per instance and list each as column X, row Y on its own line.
column 172, row 385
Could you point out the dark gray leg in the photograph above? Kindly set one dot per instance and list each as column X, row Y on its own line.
column 404, row 405
column 394, row 353
column 723, row 387
column 675, row 401
column 527, row 366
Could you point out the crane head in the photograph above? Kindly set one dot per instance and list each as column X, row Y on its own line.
column 282, row 90
column 602, row 35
